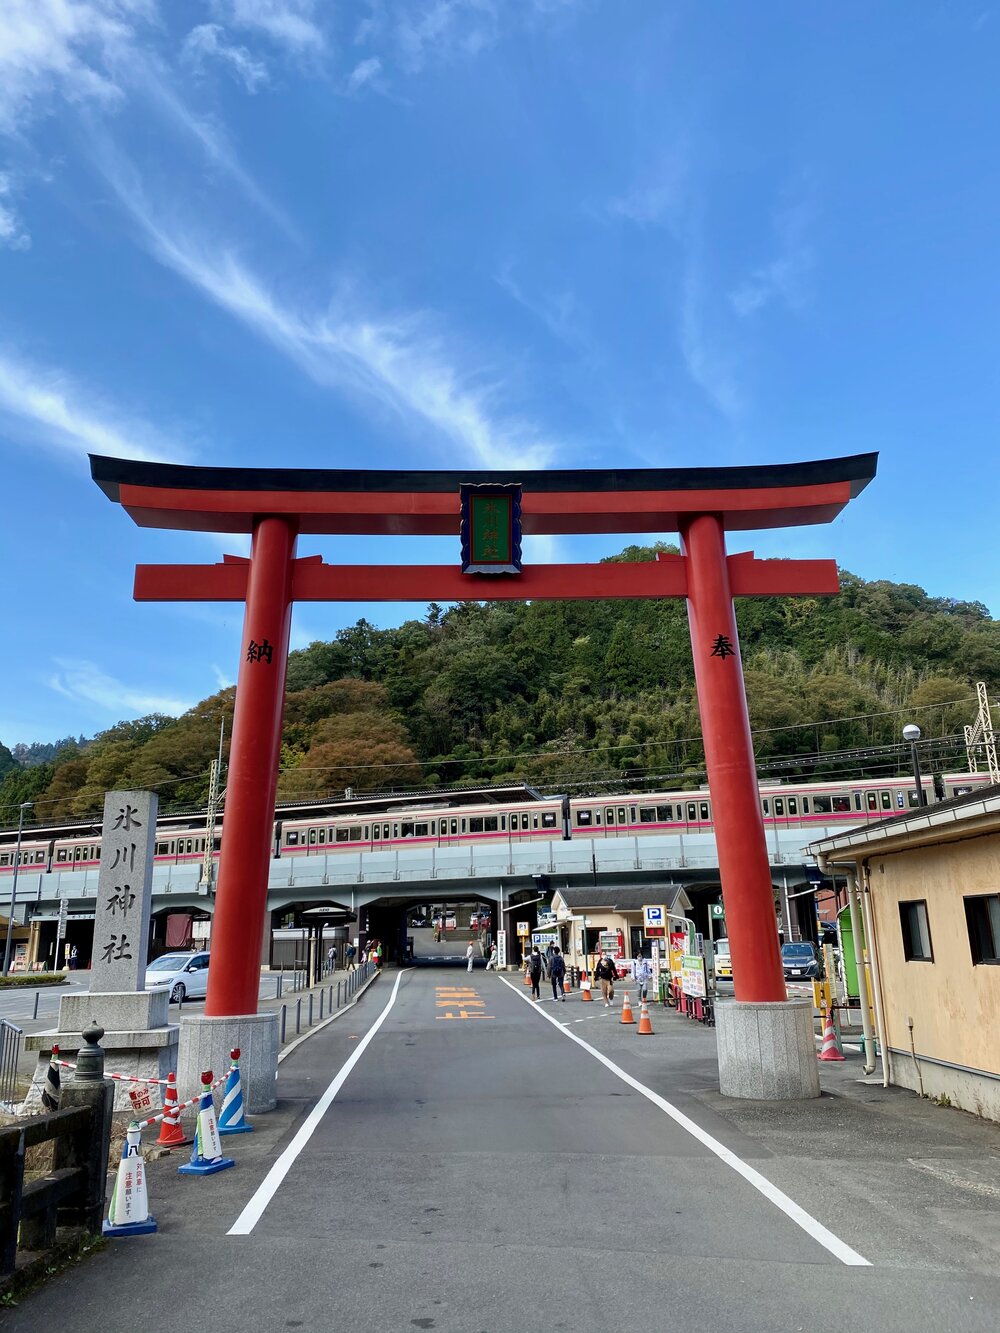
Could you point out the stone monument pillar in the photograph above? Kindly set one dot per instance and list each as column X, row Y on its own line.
column 138, row 1039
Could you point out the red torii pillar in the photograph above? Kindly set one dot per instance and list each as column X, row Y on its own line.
column 274, row 505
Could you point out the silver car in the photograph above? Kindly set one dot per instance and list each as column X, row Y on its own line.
column 184, row 974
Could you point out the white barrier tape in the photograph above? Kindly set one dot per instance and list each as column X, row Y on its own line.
column 121, row 1078
column 181, row 1106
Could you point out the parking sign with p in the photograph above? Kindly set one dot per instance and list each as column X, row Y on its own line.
column 654, row 922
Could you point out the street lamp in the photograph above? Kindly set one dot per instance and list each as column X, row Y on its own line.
column 25, row 805
column 911, row 733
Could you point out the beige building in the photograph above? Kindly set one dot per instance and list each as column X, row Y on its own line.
column 583, row 915
column 928, row 885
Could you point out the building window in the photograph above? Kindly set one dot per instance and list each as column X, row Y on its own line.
column 916, row 932
column 982, row 916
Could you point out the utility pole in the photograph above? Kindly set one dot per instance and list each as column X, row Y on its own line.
column 214, row 800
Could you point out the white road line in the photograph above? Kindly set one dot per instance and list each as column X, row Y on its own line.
column 788, row 1206
column 268, row 1187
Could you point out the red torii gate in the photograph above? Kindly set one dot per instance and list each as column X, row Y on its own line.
column 275, row 505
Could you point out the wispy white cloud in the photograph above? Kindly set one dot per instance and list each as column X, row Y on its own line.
column 289, row 23
column 558, row 312
column 784, row 279
column 48, row 407
column 206, row 42
column 709, row 364
column 661, row 196
column 12, row 230
column 364, row 74
column 66, row 47
column 400, row 361
column 223, row 681
column 85, row 682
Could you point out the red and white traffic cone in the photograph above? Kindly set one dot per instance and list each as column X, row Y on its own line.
column 829, row 1049
column 171, row 1131
column 585, row 992
column 627, row 1014
column 645, row 1028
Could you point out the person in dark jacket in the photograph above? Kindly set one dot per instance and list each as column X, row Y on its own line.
column 557, row 973
column 607, row 974
column 535, row 968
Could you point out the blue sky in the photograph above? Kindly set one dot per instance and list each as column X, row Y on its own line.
column 489, row 233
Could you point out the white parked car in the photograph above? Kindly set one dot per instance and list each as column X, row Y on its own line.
column 184, row 974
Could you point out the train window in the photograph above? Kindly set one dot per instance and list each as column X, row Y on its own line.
column 821, row 804
column 647, row 814
column 779, row 805
column 901, row 800
column 621, row 814
column 322, row 835
column 61, row 854
column 691, row 812
column 376, row 832
column 704, row 811
column 632, row 813
column 534, row 821
column 548, row 819
column 857, row 800
column 385, row 830
column 503, row 823
column 291, row 837
column 433, row 826
column 872, row 800
column 583, row 818
column 454, row 826
column 39, row 858
column 805, row 805
column 355, row 833
column 886, row 799
column 367, row 832
column 406, row 830
column 490, row 823
column 5, row 858
column 766, row 803
column 420, row 830
column 663, row 813
column 190, row 844
column 597, row 816
column 793, row 806
column 476, row 825
column 76, row 853
column 609, row 816
column 841, row 804
column 395, row 830
column 914, row 799
column 463, row 825
column 312, row 837
column 342, row 835
column 959, row 791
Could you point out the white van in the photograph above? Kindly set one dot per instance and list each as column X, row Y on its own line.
column 723, row 962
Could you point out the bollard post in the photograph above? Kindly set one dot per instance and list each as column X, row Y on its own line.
column 284, row 1015
column 38, row 996
column 329, row 999
column 322, row 997
column 298, row 1015
column 338, row 994
column 310, row 1023
column 277, row 986
column 88, row 1087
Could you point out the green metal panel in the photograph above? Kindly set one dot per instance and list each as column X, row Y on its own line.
column 848, row 951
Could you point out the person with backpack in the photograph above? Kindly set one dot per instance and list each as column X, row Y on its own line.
column 349, row 953
column 607, row 974
column 535, row 969
column 557, row 974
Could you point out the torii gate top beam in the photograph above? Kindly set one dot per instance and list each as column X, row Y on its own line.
column 212, row 499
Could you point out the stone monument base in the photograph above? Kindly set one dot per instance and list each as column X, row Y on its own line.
column 766, row 1050
column 137, row 1039
column 206, row 1043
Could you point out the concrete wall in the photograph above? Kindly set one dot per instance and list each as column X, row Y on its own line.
column 954, row 1005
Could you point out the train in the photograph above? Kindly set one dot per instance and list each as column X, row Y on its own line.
column 515, row 815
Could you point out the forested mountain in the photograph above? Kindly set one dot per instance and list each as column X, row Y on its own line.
column 556, row 693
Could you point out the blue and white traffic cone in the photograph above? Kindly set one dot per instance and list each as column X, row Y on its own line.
column 206, row 1155
column 231, row 1118
column 50, row 1088
column 129, row 1213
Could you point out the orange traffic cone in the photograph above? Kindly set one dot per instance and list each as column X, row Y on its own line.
column 527, row 978
column 627, row 1015
column 645, row 1028
column 171, row 1132
column 567, row 984
column 829, row 1049
column 585, row 987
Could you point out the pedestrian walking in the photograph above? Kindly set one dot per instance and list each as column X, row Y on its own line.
column 331, row 957
column 469, row 954
column 350, row 953
column 557, row 975
column 535, row 969
column 606, row 973
column 643, row 973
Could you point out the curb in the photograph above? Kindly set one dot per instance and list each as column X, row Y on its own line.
column 318, row 1027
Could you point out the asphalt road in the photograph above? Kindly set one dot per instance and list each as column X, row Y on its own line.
column 477, row 1168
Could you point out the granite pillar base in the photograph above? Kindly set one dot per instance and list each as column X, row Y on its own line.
column 766, row 1049
column 206, row 1043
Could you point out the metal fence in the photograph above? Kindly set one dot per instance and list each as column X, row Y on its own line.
column 10, row 1051
column 332, row 996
